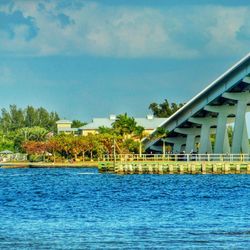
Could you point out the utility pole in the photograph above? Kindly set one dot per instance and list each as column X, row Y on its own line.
column 114, row 153
column 164, row 147
column 140, row 149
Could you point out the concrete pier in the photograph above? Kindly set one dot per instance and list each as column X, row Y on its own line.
column 175, row 167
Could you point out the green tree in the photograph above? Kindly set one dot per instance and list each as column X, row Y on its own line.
column 12, row 119
column 6, row 143
column 105, row 130
column 124, row 125
column 16, row 118
column 77, row 124
column 46, row 120
column 130, row 146
column 21, row 135
column 31, row 117
column 164, row 109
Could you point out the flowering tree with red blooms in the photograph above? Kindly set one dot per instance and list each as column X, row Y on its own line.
column 75, row 146
column 52, row 147
column 34, row 147
column 83, row 146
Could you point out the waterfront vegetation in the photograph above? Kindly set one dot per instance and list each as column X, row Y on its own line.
column 33, row 131
column 23, row 124
column 124, row 137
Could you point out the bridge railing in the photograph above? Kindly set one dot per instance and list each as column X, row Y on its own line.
column 177, row 157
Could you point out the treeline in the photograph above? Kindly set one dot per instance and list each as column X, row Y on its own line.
column 16, row 118
column 124, row 137
column 18, row 125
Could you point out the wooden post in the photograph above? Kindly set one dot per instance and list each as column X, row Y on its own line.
column 121, row 169
column 214, row 168
column 170, row 169
column 181, row 169
column 125, row 169
column 160, row 170
column 248, row 168
column 140, row 169
column 237, row 169
column 150, row 169
column 193, row 168
column 131, row 171
column 203, row 168
column 226, row 168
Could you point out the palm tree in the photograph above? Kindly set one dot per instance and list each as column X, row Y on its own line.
column 140, row 134
column 124, row 125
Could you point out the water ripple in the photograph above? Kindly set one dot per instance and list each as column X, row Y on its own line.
column 81, row 209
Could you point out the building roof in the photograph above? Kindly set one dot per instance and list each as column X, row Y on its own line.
column 96, row 123
column 67, row 129
column 148, row 123
column 64, row 122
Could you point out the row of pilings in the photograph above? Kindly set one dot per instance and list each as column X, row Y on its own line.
column 175, row 167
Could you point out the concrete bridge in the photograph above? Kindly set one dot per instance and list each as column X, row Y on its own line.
column 225, row 101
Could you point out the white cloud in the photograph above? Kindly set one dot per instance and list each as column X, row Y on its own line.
column 223, row 34
column 131, row 32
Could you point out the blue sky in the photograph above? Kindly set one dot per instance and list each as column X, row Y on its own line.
column 88, row 59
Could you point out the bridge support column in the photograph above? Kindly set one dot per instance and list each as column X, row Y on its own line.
column 239, row 127
column 221, row 135
column 205, row 143
column 206, row 123
column 177, row 141
column 190, row 143
column 240, row 119
column 245, row 142
column 221, row 140
column 226, row 146
column 191, row 134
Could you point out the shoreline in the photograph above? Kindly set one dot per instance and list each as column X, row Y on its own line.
column 10, row 165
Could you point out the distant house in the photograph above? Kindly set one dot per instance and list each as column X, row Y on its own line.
column 64, row 126
column 149, row 123
column 92, row 127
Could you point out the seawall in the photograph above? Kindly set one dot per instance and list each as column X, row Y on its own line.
column 175, row 167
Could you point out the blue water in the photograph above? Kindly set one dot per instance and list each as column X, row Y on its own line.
column 81, row 209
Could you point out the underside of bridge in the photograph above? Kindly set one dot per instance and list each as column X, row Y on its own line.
column 207, row 116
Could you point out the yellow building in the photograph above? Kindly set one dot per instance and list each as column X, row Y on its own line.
column 64, row 126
